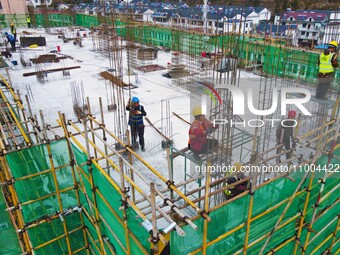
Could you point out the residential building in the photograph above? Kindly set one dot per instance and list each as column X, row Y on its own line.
column 220, row 19
column 63, row 7
column 37, row 3
column 332, row 29
column 287, row 32
column 192, row 19
column 161, row 17
column 310, row 25
column 265, row 14
column 147, row 15
column 236, row 26
column 257, row 15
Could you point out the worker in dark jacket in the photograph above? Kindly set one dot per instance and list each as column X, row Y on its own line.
column 284, row 135
column 136, row 123
column 10, row 39
column 234, row 191
column 327, row 63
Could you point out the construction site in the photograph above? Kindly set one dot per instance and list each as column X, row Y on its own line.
column 72, row 183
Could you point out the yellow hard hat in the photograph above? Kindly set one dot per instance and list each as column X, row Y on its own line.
column 197, row 111
column 334, row 43
column 12, row 24
column 238, row 166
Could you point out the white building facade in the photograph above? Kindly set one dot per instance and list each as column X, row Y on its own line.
column 36, row 3
column 332, row 29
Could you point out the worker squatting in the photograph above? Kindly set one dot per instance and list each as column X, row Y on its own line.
column 255, row 122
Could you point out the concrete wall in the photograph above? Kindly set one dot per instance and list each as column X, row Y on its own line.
column 13, row 7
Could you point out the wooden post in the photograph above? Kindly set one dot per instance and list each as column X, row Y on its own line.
column 104, row 134
column 154, row 239
column 124, row 205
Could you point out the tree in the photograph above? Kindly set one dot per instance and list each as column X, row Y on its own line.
column 256, row 3
column 295, row 4
column 284, row 5
column 277, row 6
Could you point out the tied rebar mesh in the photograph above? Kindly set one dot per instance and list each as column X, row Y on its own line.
column 276, row 216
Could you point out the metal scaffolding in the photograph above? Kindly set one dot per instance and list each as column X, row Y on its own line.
column 79, row 188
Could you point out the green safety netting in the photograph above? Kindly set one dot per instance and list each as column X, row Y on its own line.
column 37, row 195
column 35, row 160
column 336, row 247
column 18, row 19
column 276, row 59
column 54, row 20
column 9, row 243
column 86, row 20
column 112, row 197
column 31, row 162
column 234, row 214
column 50, row 230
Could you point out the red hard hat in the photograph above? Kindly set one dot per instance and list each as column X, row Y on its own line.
column 291, row 114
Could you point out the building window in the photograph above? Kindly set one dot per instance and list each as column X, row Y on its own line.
column 307, row 34
column 314, row 33
column 303, row 33
column 36, row 1
column 304, row 25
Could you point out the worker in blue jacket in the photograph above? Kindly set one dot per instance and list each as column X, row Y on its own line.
column 11, row 40
column 136, row 123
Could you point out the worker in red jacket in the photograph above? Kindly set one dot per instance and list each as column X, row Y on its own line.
column 198, row 134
